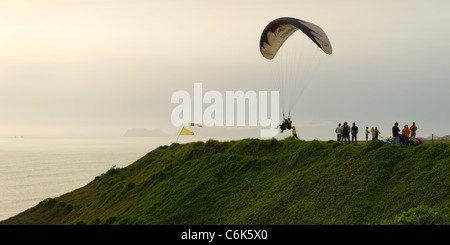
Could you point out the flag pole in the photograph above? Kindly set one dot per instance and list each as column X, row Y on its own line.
column 179, row 134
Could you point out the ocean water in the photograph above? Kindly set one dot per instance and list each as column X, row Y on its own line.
column 33, row 169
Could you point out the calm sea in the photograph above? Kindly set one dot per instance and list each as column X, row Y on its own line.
column 32, row 169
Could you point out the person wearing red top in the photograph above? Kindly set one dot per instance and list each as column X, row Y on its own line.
column 405, row 135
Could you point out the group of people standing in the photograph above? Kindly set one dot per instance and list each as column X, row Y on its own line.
column 343, row 133
column 374, row 131
column 403, row 138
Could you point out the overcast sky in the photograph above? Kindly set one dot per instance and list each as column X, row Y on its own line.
column 100, row 67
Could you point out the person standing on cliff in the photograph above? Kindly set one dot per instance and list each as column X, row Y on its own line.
column 395, row 135
column 294, row 133
column 338, row 132
column 405, row 135
column 413, row 129
column 354, row 133
column 346, row 133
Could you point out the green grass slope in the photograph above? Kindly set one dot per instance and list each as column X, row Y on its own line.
column 265, row 182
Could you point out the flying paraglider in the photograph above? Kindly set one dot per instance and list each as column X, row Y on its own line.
column 279, row 30
column 272, row 39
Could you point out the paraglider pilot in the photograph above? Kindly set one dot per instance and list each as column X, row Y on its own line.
column 286, row 124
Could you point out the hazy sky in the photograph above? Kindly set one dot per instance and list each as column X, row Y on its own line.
column 100, row 67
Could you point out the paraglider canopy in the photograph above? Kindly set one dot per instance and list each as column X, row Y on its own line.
column 279, row 30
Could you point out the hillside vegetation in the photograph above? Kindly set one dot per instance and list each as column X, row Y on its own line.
column 265, row 182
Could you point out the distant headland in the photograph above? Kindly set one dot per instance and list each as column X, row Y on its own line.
column 142, row 132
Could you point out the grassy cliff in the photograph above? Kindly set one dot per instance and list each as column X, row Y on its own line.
column 255, row 181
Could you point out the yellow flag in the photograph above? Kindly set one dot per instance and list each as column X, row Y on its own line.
column 186, row 132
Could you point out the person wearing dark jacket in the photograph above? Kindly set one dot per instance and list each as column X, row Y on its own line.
column 395, row 135
column 346, row 133
column 354, row 133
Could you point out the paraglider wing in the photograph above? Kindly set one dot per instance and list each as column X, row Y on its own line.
column 279, row 30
